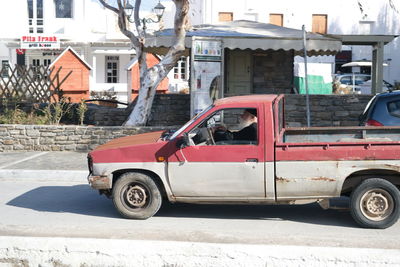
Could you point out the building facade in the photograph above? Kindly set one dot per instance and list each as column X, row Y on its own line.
column 92, row 32
column 84, row 25
column 356, row 17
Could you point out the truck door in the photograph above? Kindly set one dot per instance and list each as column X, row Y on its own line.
column 217, row 164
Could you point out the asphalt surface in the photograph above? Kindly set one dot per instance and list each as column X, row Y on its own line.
column 46, row 194
column 51, row 217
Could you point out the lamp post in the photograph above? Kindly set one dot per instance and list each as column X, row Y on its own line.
column 158, row 10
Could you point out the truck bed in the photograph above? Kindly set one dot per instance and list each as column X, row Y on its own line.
column 340, row 135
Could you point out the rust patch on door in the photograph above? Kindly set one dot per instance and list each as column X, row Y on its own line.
column 325, row 179
column 282, row 180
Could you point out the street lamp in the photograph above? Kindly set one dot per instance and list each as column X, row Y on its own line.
column 158, row 10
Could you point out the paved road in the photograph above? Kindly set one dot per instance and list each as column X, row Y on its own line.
column 75, row 210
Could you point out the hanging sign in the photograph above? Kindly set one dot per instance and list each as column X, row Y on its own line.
column 206, row 64
column 207, row 50
column 40, row 42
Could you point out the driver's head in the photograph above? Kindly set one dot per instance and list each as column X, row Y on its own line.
column 248, row 117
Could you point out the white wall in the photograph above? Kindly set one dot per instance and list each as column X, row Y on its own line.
column 344, row 17
column 13, row 18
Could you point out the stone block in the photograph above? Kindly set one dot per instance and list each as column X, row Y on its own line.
column 55, row 148
column 8, row 142
column 342, row 113
column 82, row 147
column 33, row 133
column 47, row 134
column 70, row 147
column 61, row 138
column 19, row 147
column 46, row 141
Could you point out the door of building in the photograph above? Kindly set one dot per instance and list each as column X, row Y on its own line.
column 239, row 73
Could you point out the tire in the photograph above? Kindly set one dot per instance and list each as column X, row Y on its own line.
column 136, row 196
column 375, row 203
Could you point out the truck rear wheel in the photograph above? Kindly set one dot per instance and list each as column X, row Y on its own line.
column 136, row 196
column 375, row 203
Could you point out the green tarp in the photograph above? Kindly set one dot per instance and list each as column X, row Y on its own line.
column 316, row 85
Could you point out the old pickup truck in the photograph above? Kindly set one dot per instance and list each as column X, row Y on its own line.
column 280, row 166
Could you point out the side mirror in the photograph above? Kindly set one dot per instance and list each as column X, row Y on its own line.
column 183, row 141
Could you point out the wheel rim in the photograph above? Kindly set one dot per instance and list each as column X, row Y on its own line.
column 376, row 204
column 136, row 196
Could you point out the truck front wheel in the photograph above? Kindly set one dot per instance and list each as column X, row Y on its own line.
column 136, row 196
column 375, row 203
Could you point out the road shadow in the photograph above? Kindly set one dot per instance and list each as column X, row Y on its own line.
column 310, row 213
column 77, row 199
column 83, row 200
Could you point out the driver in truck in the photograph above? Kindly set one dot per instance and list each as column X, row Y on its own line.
column 247, row 125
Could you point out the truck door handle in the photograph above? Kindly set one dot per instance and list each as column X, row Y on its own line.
column 251, row 160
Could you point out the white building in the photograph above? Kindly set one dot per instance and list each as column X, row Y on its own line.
column 85, row 25
column 92, row 31
column 331, row 17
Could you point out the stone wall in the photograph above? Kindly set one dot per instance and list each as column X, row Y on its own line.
column 168, row 109
column 325, row 110
column 62, row 138
column 273, row 72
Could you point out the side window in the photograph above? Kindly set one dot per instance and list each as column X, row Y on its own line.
column 346, row 80
column 361, row 79
column 394, row 108
column 236, row 126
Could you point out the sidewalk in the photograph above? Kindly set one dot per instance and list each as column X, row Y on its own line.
column 44, row 166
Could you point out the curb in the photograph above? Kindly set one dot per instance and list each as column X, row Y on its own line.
column 43, row 175
column 41, row 251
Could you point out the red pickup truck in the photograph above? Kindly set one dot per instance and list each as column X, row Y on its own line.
column 202, row 162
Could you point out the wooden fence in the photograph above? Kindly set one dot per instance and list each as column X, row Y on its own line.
column 31, row 84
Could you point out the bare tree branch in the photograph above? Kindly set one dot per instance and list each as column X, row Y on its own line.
column 120, row 11
column 108, row 6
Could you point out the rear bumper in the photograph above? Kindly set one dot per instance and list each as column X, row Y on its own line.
column 100, row 181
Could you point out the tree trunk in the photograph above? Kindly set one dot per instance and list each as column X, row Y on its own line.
column 152, row 77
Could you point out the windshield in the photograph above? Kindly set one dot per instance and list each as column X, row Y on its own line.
column 178, row 132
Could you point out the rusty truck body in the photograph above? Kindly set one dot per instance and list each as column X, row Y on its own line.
column 282, row 166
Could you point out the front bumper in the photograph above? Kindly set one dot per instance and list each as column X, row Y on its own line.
column 100, row 182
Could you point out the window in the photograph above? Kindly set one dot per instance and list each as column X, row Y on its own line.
column 180, row 69
column 235, row 126
column 112, row 63
column 276, row 19
column 35, row 62
column 46, row 62
column 63, row 8
column 35, row 13
column 225, row 16
column 319, row 24
column 394, row 108
column 5, row 67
